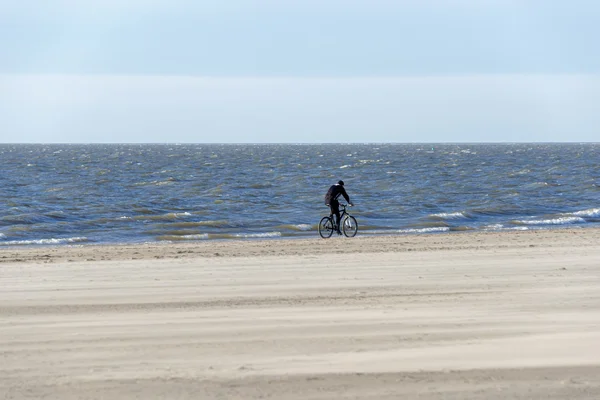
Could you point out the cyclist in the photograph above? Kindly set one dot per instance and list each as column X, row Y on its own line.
column 331, row 200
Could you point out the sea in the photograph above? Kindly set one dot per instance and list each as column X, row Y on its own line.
column 61, row 194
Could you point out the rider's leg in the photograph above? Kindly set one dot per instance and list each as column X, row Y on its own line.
column 335, row 210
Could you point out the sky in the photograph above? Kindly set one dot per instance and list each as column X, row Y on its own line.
column 299, row 71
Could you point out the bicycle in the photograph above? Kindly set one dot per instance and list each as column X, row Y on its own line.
column 327, row 225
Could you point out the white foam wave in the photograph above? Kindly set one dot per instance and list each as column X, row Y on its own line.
column 552, row 221
column 454, row 215
column 258, row 235
column 2, row 235
column 303, row 227
column 44, row 241
column 198, row 236
column 493, row 227
column 500, row 227
column 521, row 172
column 425, row 230
column 592, row 212
column 345, row 166
column 164, row 217
column 174, row 238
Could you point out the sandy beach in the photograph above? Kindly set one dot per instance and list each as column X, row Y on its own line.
column 474, row 315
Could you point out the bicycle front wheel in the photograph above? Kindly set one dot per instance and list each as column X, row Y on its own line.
column 326, row 227
column 349, row 226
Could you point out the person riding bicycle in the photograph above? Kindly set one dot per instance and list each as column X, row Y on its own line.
column 331, row 200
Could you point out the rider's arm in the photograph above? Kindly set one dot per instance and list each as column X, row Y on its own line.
column 346, row 196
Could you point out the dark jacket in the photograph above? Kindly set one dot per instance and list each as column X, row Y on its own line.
column 334, row 192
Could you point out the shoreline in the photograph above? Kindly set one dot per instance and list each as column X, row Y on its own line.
column 473, row 240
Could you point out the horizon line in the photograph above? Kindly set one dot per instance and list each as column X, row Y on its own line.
column 292, row 143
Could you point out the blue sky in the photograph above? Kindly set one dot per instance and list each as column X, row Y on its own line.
column 299, row 71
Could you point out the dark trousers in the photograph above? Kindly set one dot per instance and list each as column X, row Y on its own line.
column 334, row 205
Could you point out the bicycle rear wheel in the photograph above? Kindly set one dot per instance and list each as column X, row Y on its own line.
column 326, row 227
column 349, row 226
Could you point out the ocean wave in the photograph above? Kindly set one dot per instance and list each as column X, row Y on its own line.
column 207, row 236
column 142, row 210
column 260, row 186
column 170, row 238
column 44, row 241
column 194, row 224
column 31, row 218
column 520, row 172
column 592, row 212
column 425, row 230
column 168, row 181
column 50, row 228
column 430, row 224
column 493, row 227
column 453, row 215
column 2, row 236
column 108, row 220
column 501, row 227
column 536, row 185
column 495, row 210
column 171, row 232
column 257, row 235
column 60, row 215
column 303, row 227
column 462, row 228
column 297, row 227
column 550, row 221
column 163, row 217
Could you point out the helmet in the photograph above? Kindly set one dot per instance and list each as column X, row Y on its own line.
column 341, row 183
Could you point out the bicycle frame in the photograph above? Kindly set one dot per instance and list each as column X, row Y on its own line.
column 343, row 213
